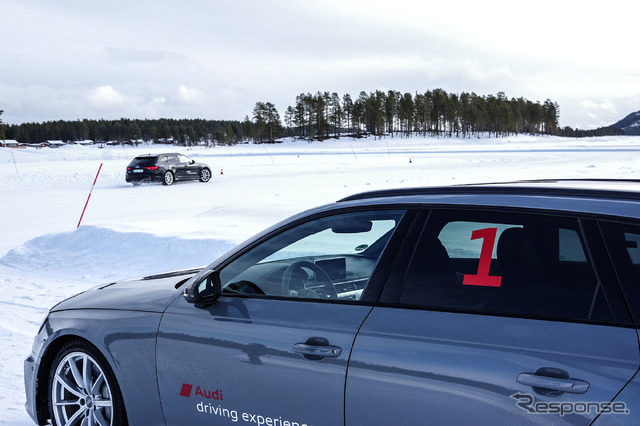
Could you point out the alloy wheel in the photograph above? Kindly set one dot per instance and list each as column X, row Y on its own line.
column 80, row 392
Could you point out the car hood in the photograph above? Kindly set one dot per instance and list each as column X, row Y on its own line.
column 151, row 294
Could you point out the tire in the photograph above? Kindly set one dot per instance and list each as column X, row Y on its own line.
column 83, row 389
column 205, row 175
column 168, row 178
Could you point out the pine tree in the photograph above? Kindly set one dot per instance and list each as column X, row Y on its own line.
column 273, row 121
column 247, row 127
column 289, row 115
column 319, row 105
column 260, row 119
column 299, row 115
column 347, row 105
column 391, row 110
column 336, row 114
column 406, row 112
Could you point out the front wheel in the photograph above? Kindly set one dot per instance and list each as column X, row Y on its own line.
column 168, row 178
column 205, row 175
column 83, row 389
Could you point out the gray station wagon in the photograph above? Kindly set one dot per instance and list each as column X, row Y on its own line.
column 480, row 304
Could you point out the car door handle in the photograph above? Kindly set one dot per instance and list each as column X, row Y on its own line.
column 317, row 348
column 319, row 351
column 553, row 383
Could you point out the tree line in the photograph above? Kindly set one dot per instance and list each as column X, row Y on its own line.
column 325, row 115
column 435, row 113
column 182, row 132
column 600, row 131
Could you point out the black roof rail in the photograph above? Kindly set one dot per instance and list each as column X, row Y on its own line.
column 560, row 180
column 510, row 188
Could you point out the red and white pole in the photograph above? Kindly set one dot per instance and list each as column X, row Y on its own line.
column 89, row 197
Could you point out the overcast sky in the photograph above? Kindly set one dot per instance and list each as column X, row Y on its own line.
column 214, row 59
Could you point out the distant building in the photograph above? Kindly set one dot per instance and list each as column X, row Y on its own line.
column 11, row 143
column 84, row 142
column 38, row 145
column 55, row 144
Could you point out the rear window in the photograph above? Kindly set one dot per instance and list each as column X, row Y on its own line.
column 143, row 162
column 507, row 263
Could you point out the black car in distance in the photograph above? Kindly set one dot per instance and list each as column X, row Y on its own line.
column 166, row 168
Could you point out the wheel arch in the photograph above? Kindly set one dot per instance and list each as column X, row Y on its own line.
column 125, row 339
column 46, row 363
column 173, row 174
column 203, row 168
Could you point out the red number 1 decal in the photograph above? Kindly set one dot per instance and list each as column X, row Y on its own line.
column 483, row 278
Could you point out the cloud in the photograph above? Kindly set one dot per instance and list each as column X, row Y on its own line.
column 188, row 95
column 111, row 60
column 107, row 98
column 132, row 55
column 604, row 104
column 159, row 101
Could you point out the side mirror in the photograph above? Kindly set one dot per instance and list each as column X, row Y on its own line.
column 205, row 291
column 192, row 162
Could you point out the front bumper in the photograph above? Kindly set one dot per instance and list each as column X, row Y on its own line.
column 31, row 368
column 30, row 385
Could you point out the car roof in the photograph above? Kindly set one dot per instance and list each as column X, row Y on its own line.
column 157, row 155
column 620, row 197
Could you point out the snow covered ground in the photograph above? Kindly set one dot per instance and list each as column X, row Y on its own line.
column 133, row 231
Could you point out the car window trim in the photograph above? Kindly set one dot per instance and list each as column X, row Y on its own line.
column 388, row 258
column 397, row 276
column 599, row 219
column 598, row 255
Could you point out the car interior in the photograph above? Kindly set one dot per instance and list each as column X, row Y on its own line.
column 339, row 258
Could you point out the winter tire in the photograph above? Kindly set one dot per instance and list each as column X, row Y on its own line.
column 168, row 178
column 205, row 175
column 83, row 389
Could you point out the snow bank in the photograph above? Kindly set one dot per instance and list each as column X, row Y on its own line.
column 99, row 254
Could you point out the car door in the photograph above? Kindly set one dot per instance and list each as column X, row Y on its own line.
column 495, row 318
column 188, row 169
column 273, row 349
column 174, row 165
column 622, row 238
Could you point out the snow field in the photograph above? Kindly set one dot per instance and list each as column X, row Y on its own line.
column 135, row 231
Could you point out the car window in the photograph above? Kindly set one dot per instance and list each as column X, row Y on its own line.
column 183, row 159
column 330, row 242
column 570, row 247
column 623, row 244
column 143, row 162
column 332, row 257
column 519, row 264
column 455, row 238
column 163, row 159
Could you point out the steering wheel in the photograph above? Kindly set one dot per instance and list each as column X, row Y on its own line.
column 321, row 278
